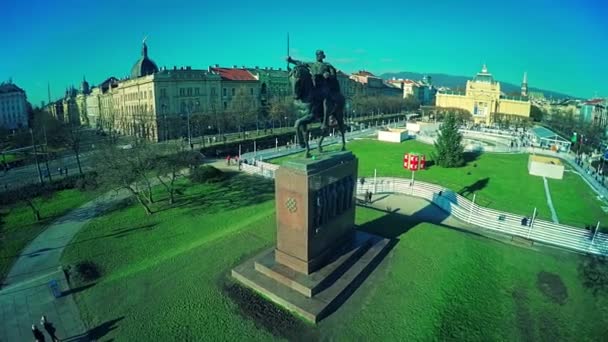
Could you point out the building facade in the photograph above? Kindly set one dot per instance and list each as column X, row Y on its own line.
column 372, row 85
column 13, row 106
column 483, row 99
column 594, row 112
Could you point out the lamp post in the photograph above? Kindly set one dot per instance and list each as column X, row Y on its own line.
column 189, row 110
column 36, row 157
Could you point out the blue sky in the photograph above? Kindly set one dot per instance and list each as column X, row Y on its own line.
column 563, row 47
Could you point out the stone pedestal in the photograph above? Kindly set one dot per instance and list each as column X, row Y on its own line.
column 315, row 205
column 319, row 255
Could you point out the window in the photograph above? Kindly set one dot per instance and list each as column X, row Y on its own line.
column 233, row 91
column 251, row 91
column 181, row 92
column 197, row 91
column 225, row 105
column 224, row 91
column 189, row 91
column 213, row 91
column 163, row 92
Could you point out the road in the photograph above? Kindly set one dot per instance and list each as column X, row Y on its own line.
column 28, row 174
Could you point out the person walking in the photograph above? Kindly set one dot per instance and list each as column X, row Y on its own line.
column 50, row 329
column 38, row 335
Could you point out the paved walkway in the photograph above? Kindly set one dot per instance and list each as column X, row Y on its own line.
column 550, row 202
column 25, row 295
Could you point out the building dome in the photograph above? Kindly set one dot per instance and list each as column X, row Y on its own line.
column 144, row 66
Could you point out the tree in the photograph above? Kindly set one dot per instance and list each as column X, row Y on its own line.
column 536, row 113
column 33, row 198
column 168, row 168
column 73, row 140
column 129, row 169
column 449, row 151
column 242, row 109
column 280, row 107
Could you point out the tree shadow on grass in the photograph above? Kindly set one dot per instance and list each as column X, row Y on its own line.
column 97, row 332
column 233, row 193
column 470, row 157
column 78, row 289
column 593, row 272
column 478, row 185
column 272, row 318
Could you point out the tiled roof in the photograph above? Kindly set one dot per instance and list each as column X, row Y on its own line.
column 594, row 101
column 363, row 73
column 234, row 74
column 9, row 88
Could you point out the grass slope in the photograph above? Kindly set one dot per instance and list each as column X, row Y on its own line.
column 165, row 277
column 18, row 225
column 501, row 181
column 578, row 205
column 494, row 177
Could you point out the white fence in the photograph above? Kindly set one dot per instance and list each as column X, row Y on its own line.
column 499, row 221
column 537, row 230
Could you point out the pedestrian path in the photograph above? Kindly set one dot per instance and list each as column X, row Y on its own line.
column 550, row 201
column 26, row 296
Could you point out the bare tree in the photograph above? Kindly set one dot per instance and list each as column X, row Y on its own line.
column 33, row 198
column 73, row 140
column 129, row 169
column 242, row 109
column 168, row 168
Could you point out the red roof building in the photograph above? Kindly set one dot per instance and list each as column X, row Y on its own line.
column 233, row 74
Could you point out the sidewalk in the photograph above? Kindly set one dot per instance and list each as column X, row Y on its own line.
column 26, row 296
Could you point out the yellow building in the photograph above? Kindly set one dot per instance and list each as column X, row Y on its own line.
column 484, row 100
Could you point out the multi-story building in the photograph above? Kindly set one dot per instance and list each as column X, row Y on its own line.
column 423, row 91
column 373, row 85
column 483, row 99
column 160, row 103
column 594, row 111
column 13, row 106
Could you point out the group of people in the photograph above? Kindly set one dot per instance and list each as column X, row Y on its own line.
column 48, row 327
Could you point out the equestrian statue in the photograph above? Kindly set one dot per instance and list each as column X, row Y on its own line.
column 317, row 97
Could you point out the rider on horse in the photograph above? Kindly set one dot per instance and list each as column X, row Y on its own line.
column 326, row 96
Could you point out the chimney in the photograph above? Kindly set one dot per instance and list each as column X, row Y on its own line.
column 243, row 67
column 217, row 65
column 234, row 67
column 257, row 67
column 174, row 67
column 188, row 68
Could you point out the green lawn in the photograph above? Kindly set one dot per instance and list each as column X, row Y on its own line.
column 497, row 178
column 167, row 277
column 502, row 181
column 18, row 225
column 9, row 157
column 578, row 205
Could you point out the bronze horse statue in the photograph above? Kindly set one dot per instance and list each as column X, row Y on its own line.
column 314, row 104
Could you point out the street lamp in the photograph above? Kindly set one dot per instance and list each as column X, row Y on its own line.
column 189, row 110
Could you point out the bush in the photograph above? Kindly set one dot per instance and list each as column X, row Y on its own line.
column 87, row 271
column 207, row 174
column 87, row 182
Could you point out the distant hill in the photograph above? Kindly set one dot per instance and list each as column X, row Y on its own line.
column 451, row 81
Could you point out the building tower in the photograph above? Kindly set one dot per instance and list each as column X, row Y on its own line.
column 524, row 85
column 84, row 86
